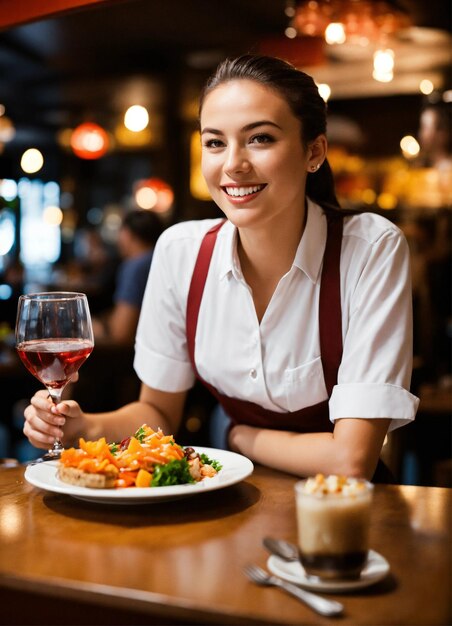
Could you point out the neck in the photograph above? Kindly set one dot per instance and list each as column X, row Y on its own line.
column 265, row 256
column 270, row 251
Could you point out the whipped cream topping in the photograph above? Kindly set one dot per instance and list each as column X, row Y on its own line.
column 334, row 485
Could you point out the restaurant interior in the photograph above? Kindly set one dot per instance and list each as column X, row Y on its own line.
column 75, row 158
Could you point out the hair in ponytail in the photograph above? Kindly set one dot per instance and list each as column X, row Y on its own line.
column 320, row 187
column 301, row 93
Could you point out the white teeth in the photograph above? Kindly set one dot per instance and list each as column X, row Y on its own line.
column 243, row 191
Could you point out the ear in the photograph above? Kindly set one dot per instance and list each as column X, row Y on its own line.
column 317, row 150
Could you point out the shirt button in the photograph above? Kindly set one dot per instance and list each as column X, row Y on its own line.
column 253, row 373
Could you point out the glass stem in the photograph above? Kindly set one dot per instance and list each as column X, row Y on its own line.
column 55, row 395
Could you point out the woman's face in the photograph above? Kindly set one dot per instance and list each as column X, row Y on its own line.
column 253, row 159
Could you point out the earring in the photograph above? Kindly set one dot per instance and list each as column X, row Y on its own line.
column 314, row 168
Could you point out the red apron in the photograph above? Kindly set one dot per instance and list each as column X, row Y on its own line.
column 310, row 419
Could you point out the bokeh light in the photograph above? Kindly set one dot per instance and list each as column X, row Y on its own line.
column 383, row 65
column 136, row 118
column 426, row 87
column 52, row 215
column 8, row 189
column 154, row 194
column 410, row 147
column 387, row 201
column 335, row 33
column 89, row 141
column 324, row 91
column 31, row 161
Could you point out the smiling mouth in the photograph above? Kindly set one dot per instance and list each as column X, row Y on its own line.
column 241, row 192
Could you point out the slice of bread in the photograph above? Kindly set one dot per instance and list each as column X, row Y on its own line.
column 78, row 477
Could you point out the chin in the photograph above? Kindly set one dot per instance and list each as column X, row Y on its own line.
column 241, row 217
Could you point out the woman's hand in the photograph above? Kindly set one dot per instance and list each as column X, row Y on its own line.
column 44, row 422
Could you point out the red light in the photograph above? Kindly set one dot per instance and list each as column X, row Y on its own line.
column 89, row 141
column 159, row 198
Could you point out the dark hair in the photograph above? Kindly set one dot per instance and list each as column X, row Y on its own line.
column 145, row 225
column 302, row 95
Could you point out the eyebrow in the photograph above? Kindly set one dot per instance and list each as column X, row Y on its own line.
column 248, row 127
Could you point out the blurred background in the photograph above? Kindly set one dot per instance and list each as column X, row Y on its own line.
column 98, row 118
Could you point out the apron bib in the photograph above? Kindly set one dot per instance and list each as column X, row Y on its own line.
column 310, row 419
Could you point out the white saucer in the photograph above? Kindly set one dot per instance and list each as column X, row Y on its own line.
column 376, row 569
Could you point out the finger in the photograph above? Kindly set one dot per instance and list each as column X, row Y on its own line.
column 44, row 421
column 42, row 393
column 48, row 430
column 45, row 410
column 42, row 401
column 37, row 438
column 68, row 408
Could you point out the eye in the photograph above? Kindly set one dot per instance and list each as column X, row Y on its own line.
column 262, row 138
column 213, row 143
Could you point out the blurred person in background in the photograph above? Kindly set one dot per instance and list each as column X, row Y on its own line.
column 137, row 237
column 435, row 135
column 295, row 314
column 429, row 238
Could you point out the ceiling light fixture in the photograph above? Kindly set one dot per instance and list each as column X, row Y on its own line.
column 384, row 65
column 352, row 21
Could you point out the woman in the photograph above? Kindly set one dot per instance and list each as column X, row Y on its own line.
column 301, row 315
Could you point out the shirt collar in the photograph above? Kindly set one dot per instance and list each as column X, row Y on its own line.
column 309, row 255
column 228, row 260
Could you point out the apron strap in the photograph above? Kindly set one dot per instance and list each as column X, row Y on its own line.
column 330, row 311
column 195, row 293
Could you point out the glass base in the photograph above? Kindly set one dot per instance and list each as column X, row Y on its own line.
column 52, row 454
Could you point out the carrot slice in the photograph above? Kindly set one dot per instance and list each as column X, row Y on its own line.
column 143, row 478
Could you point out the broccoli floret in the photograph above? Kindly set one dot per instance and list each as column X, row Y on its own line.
column 215, row 464
column 173, row 473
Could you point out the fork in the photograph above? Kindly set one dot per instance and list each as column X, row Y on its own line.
column 323, row 606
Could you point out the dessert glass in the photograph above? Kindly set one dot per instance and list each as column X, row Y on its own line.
column 333, row 519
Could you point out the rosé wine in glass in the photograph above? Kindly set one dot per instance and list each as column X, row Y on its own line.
column 54, row 337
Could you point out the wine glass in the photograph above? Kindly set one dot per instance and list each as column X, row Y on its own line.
column 54, row 337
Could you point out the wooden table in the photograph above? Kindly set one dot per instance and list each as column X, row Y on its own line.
column 65, row 561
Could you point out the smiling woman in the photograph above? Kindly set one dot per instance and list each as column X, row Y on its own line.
column 252, row 151
column 293, row 313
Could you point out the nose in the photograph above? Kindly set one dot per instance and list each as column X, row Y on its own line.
column 236, row 160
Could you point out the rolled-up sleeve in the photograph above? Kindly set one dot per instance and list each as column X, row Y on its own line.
column 375, row 372
column 373, row 401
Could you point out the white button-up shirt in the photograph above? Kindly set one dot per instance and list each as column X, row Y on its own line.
column 277, row 363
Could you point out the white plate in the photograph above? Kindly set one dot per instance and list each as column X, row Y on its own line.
column 235, row 468
column 376, row 569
